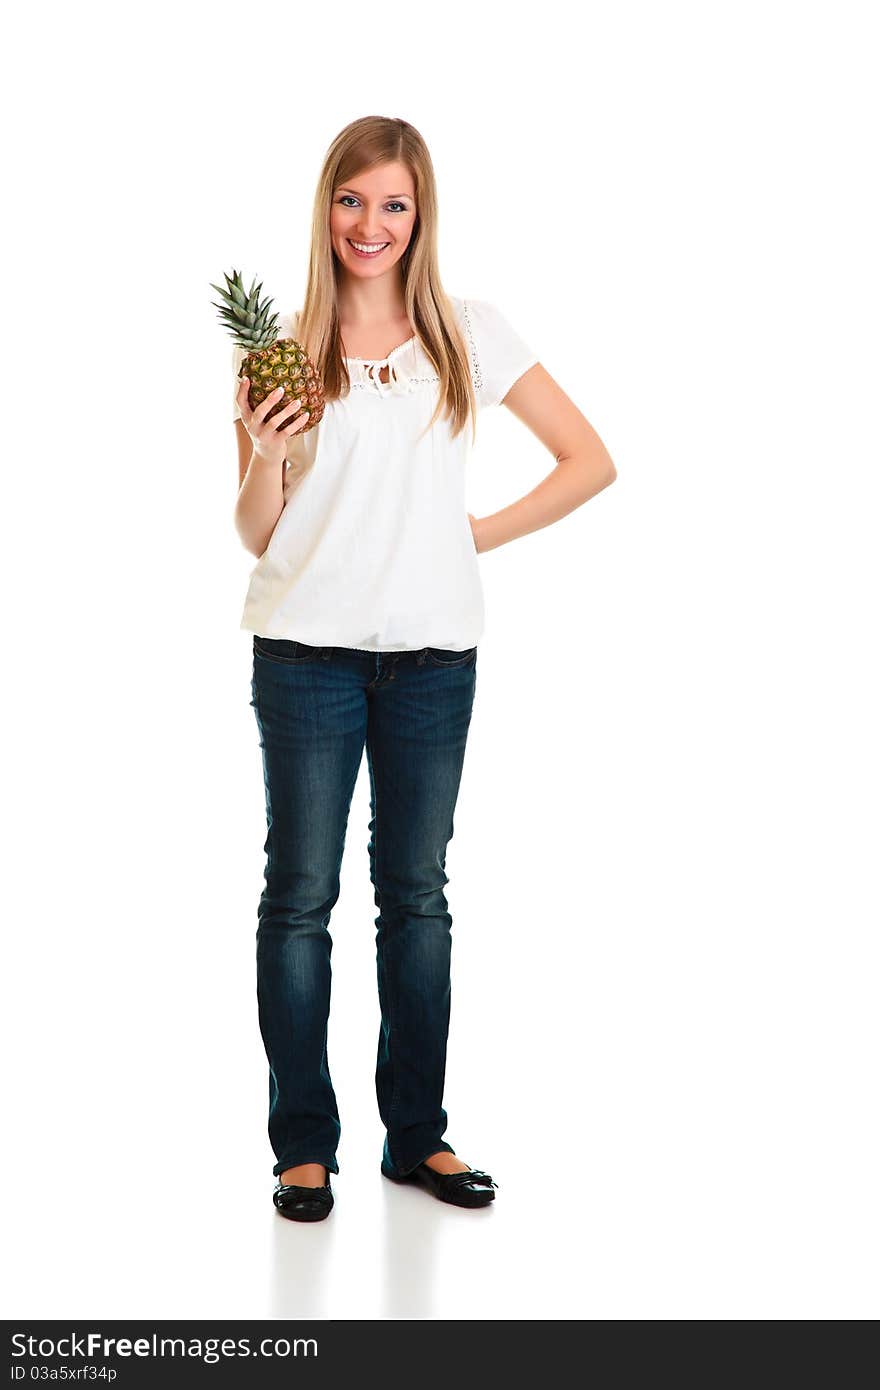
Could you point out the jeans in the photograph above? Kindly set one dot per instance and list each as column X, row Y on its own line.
column 316, row 708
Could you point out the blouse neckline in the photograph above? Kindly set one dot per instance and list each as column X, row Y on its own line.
column 401, row 364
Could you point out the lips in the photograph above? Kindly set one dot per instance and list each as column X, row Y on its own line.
column 369, row 255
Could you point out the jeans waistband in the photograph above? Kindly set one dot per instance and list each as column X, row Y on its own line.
column 282, row 646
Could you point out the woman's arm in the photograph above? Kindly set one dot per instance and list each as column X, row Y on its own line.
column 260, row 500
column 583, row 464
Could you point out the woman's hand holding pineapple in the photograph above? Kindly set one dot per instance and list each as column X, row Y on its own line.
column 269, row 438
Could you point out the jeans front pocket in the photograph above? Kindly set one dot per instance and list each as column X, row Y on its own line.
column 439, row 656
column 287, row 652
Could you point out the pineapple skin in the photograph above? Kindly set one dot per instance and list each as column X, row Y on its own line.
column 286, row 363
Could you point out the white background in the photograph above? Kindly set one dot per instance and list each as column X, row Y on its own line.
column 663, row 875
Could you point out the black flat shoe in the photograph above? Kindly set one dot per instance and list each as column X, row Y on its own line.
column 303, row 1203
column 472, row 1188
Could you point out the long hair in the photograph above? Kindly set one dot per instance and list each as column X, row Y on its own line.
column 362, row 144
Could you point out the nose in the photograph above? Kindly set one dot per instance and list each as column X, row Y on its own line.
column 371, row 231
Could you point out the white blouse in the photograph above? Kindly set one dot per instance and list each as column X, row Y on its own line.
column 373, row 548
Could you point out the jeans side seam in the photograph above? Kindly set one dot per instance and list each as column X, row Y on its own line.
column 389, row 993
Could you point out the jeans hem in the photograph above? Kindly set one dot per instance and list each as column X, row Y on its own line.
column 283, row 1164
column 440, row 1147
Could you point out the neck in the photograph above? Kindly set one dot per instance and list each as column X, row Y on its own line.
column 371, row 303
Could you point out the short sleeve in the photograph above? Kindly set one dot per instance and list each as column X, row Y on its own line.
column 499, row 356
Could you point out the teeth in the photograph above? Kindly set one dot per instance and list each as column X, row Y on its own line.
column 371, row 250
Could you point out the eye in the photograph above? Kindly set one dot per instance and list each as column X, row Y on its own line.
column 394, row 204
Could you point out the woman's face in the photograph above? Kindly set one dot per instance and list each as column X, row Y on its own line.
column 375, row 208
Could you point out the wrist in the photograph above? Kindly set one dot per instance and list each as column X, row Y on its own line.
column 484, row 538
column 477, row 532
column 260, row 461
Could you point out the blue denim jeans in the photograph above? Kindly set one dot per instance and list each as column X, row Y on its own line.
column 316, row 708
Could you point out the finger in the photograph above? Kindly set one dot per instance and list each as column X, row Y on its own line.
column 299, row 424
column 262, row 410
column 286, row 413
column 241, row 397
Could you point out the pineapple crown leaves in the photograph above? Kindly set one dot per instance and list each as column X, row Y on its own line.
column 244, row 316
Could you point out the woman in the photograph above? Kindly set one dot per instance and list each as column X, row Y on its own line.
column 366, row 609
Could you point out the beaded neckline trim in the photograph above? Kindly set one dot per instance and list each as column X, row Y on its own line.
column 475, row 361
column 410, row 381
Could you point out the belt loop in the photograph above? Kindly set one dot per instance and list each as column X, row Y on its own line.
column 325, row 653
column 422, row 657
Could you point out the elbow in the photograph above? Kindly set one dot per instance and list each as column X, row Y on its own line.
column 598, row 481
column 240, row 530
column 593, row 470
column 608, row 471
column 249, row 542
column 254, row 547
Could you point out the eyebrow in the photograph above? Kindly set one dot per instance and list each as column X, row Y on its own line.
column 387, row 195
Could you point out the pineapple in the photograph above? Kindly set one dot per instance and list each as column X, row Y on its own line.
column 271, row 361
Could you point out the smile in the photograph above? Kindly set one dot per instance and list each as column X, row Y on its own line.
column 364, row 248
